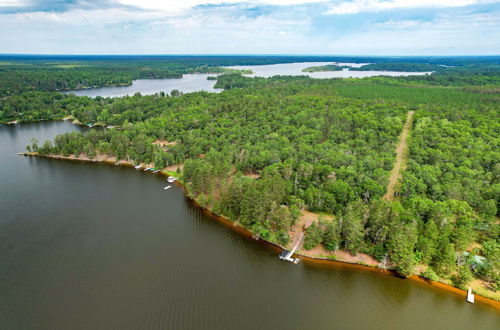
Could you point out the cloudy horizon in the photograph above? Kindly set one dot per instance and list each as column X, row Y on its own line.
column 292, row 27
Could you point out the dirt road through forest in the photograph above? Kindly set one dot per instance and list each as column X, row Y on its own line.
column 401, row 158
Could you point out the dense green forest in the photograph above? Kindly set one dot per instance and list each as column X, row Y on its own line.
column 48, row 73
column 400, row 66
column 267, row 148
column 22, row 73
column 27, row 76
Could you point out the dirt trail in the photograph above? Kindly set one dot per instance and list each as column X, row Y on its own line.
column 401, row 158
column 305, row 220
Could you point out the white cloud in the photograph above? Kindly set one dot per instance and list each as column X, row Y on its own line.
column 447, row 34
column 79, row 17
column 357, row 6
column 456, row 24
column 180, row 5
column 14, row 3
column 146, row 26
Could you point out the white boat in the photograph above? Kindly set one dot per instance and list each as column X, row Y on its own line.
column 167, row 187
column 138, row 166
column 171, row 179
column 147, row 169
column 156, row 171
column 117, row 163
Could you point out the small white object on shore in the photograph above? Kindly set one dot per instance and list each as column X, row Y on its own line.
column 171, row 179
column 138, row 166
column 470, row 296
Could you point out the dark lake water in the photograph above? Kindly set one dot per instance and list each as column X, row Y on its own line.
column 198, row 82
column 93, row 246
column 187, row 84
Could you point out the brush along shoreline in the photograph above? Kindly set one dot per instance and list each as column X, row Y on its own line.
column 319, row 260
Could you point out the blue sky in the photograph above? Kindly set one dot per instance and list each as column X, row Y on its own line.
column 338, row 27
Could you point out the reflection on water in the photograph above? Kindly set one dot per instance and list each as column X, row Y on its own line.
column 94, row 246
column 187, row 84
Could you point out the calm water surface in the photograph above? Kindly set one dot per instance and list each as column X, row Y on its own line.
column 295, row 69
column 187, row 84
column 198, row 82
column 92, row 246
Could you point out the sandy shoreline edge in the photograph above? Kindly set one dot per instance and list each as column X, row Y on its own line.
column 247, row 233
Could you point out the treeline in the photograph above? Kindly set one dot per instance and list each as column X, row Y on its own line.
column 338, row 150
column 48, row 73
column 267, row 148
column 21, row 78
column 400, row 66
column 464, row 76
column 475, row 75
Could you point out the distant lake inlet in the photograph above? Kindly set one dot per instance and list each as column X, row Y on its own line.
column 198, row 82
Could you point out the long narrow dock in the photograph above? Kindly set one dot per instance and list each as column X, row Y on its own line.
column 287, row 255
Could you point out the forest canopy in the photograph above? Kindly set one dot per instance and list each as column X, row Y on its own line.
column 266, row 149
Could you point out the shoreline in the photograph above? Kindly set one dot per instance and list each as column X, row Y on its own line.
column 322, row 261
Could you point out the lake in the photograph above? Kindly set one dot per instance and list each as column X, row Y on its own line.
column 187, row 84
column 198, row 82
column 95, row 246
column 295, row 69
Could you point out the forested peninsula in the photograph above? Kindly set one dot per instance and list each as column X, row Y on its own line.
column 275, row 154
column 324, row 68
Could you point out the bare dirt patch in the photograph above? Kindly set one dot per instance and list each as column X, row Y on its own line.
column 305, row 220
column 164, row 143
column 173, row 168
column 340, row 255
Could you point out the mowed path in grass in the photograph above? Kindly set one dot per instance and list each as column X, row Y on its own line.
column 401, row 158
